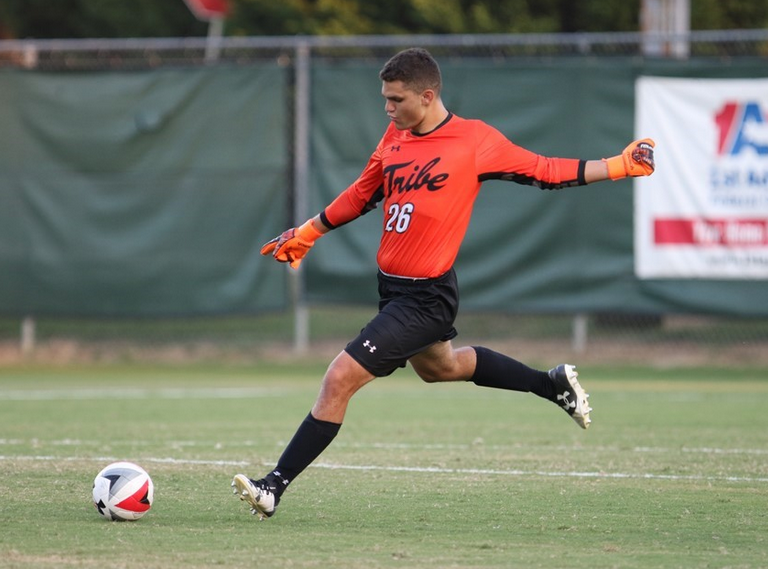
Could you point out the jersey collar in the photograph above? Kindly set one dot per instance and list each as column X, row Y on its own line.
column 445, row 121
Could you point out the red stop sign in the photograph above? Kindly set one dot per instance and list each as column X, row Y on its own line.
column 207, row 10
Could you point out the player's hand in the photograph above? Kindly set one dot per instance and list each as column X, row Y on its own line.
column 635, row 160
column 292, row 245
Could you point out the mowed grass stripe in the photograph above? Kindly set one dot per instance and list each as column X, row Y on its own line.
column 137, row 393
column 402, row 446
column 673, row 473
column 672, row 390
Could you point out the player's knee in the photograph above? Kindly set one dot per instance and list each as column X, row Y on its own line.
column 436, row 374
column 428, row 376
column 336, row 383
column 343, row 378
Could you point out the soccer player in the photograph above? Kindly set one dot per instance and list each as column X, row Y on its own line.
column 426, row 171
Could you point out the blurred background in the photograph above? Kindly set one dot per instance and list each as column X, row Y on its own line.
column 149, row 148
column 41, row 19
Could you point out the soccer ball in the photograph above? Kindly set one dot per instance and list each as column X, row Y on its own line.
column 123, row 491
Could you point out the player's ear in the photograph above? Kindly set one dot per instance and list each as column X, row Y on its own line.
column 427, row 97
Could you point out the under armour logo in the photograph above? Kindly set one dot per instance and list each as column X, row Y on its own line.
column 395, row 149
column 371, row 347
column 565, row 402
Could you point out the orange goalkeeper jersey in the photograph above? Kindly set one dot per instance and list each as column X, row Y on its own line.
column 429, row 183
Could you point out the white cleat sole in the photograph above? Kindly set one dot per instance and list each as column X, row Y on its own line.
column 246, row 491
column 581, row 411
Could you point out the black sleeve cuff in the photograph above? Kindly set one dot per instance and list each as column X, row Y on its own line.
column 324, row 219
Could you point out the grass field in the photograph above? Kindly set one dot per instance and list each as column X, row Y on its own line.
column 672, row 473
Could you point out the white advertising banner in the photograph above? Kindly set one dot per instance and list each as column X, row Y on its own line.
column 704, row 212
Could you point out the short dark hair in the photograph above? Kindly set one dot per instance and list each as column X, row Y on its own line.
column 416, row 68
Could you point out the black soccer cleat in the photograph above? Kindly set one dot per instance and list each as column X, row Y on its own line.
column 570, row 395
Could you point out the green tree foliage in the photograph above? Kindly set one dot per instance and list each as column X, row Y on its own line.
column 166, row 18
column 41, row 19
column 345, row 17
column 733, row 14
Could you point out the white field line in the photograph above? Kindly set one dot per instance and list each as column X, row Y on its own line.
column 546, row 473
column 418, row 470
column 559, row 448
column 108, row 459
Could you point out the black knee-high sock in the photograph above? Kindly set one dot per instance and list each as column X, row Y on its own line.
column 502, row 372
column 311, row 439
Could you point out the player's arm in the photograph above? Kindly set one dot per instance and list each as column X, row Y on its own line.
column 555, row 173
column 499, row 158
column 635, row 160
column 358, row 199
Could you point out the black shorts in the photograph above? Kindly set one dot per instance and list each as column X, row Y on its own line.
column 413, row 315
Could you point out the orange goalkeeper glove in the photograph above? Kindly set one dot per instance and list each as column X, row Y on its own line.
column 292, row 245
column 635, row 160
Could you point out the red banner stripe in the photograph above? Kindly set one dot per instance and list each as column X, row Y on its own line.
column 706, row 232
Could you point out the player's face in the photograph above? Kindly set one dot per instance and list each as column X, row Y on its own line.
column 404, row 107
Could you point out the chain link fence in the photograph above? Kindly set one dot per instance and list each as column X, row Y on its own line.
column 540, row 339
column 103, row 54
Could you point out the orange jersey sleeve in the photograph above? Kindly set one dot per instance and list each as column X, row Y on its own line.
column 429, row 183
column 360, row 197
column 500, row 159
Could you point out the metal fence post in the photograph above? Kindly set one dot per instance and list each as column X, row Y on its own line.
column 301, row 189
column 580, row 332
column 28, row 336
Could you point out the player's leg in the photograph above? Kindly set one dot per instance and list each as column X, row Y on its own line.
column 484, row 367
column 487, row 368
column 441, row 362
column 342, row 380
column 344, row 377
